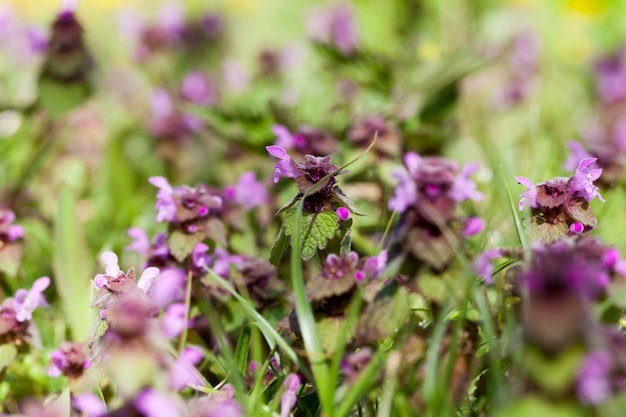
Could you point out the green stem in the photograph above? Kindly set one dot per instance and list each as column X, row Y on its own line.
column 183, row 337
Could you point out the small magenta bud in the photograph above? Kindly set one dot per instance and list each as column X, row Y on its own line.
column 577, row 228
column 343, row 214
column 203, row 211
column 473, row 226
column 192, row 228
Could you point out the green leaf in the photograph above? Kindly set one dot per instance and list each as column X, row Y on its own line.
column 278, row 248
column 346, row 244
column 382, row 317
column 181, row 244
column 71, row 270
column 580, row 211
column 554, row 374
column 8, row 352
column 57, row 98
column 535, row 406
column 547, row 232
column 315, row 229
column 328, row 328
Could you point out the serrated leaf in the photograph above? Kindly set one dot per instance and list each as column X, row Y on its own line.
column 344, row 201
column 547, row 232
column 580, row 211
column 316, row 229
column 181, row 244
column 278, row 248
column 328, row 328
column 8, row 352
column 319, row 287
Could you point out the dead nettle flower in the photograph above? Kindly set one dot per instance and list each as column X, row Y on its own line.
column 365, row 129
column 69, row 360
column 338, row 277
column 561, row 280
column 352, row 364
column 9, row 232
column 68, row 60
column 305, row 140
column 610, row 77
column 327, row 196
column 594, row 378
column 200, row 88
column 167, row 121
column 373, row 267
column 187, row 208
column 334, row 26
column 523, row 67
column 248, row 192
column 24, row 44
column 16, row 312
column 153, row 403
column 115, row 283
column 288, row 399
column 560, row 206
column 170, row 287
column 184, row 373
column 427, row 196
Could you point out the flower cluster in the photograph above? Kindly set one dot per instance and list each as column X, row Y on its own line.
column 16, row 312
column 427, row 196
column 561, row 205
column 306, row 140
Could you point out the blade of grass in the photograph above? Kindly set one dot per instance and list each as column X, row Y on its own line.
column 362, row 385
column 265, row 327
column 514, row 212
column 71, row 272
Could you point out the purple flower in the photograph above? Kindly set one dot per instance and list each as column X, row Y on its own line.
column 528, row 197
column 165, row 204
column 141, row 243
column 405, row 193
column 373, row 266
column 343, row 214
column 89, row 405
column 463, row 187
column 611, row 78
column 184, row 372
column 577, row 153
column 199, row 257
column 285, row 167
column 576, row 228
column 582, row 181
column 334, row 26
column 152, row 403
column 25, row 302
column 174, row 320
column 69, row 359
column 199, row 89
column 248, row 192
column 284, row 138
column 482, row 264
column 288, row 399
column 9, row 232
column 223, row 261
column 169, row 287
column 473, row 226
column 148, row 275
column 594, row 385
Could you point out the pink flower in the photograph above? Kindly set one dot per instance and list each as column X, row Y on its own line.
column 285, row 167
column 528, row 197
column 25, row 302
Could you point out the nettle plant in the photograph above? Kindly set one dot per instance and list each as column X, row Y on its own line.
column 325, row 209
